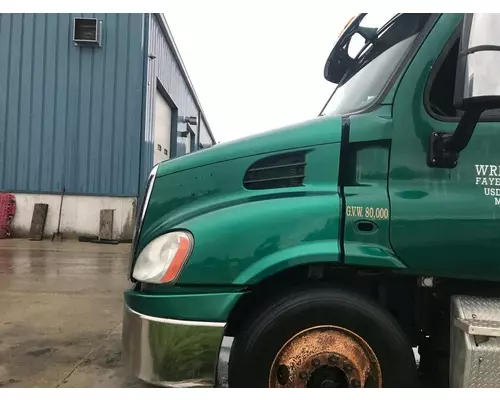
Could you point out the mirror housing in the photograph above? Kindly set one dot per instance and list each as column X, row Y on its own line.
column 478, row 80
column 339, row 61
column 477, row 86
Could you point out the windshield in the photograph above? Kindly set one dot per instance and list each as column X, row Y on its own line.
column 375, row 63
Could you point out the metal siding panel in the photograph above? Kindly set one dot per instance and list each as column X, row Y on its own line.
column 12, row 136
column 205, row 138
column 49, row 101
column 164, row 68
column 82, row 150
column 57, row 153
column 95, row 166
column 181, row 146
column 120, row 101
column 72, row 120
column 70, row 115
column 108, row 99
column 134, row 103
column 25, row 100
column 37, row 101
column 5, row 28
column 82, row 141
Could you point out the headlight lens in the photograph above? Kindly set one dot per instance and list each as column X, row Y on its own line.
column 161, row 261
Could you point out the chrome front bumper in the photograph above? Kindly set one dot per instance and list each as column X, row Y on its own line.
column 171, row 353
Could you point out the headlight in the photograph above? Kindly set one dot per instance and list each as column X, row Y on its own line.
column 161, row 261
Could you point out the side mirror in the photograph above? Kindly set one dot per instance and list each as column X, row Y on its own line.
column 340, row 61
column 477, row 86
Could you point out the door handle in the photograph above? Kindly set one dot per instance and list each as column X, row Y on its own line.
column 364, row 226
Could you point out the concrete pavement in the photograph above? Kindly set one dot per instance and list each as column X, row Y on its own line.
column 60, row 314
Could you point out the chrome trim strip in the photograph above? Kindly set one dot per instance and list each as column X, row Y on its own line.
column 141, row 214
column 160, row 351
column 147, row 197
column 176, row 321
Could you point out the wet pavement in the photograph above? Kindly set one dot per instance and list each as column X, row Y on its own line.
column 61, row 313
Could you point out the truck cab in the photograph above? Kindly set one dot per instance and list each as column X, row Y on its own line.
column 322, row 254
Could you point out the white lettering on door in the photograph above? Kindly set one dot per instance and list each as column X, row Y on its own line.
column 481, row 169
column 486, row 176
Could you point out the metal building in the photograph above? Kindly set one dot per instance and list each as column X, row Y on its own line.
column 89, row 103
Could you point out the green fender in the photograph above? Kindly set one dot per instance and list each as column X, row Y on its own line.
column 302, row 254
column 243, row 244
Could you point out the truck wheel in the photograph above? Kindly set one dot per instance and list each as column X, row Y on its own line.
column 322, row 338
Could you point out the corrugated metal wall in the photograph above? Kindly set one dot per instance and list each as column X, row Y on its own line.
column 164, row 68
column 70, row 116
column 205, row 139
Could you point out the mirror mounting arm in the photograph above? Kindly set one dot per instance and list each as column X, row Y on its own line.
column 445, row 148
column 465, row 128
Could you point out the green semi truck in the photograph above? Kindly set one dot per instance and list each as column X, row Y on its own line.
column 321, row 254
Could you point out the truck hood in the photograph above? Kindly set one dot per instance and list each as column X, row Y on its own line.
column 309, row 133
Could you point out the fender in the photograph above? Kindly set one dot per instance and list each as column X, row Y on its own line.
column 248, row 242
column 373, row 255
column 326, row 251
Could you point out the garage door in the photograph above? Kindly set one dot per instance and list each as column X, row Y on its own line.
column 163, row 126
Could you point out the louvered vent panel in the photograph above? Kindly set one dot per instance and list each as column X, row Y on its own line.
column 279, row 171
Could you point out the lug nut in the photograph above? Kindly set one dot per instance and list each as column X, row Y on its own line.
column 333, row 359
column 316, row 363
column 303, row 375
column 355, row 383
column 348, row 368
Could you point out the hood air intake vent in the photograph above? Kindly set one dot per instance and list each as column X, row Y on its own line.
column 280, row 171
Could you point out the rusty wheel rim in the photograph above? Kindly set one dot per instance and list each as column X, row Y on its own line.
column 325, row 356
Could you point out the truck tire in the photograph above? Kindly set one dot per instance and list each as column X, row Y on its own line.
column 322, row 337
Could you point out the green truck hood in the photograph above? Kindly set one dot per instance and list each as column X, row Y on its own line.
column 309, row 133
column 243, row 235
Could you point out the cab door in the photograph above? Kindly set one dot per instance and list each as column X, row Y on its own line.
column 444, row 222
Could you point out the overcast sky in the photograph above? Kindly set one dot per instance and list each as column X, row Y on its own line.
column 256, row 65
